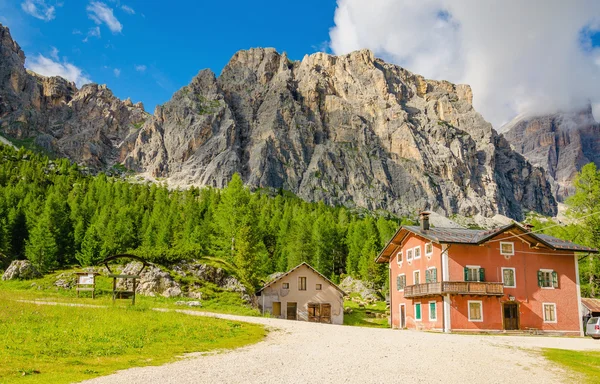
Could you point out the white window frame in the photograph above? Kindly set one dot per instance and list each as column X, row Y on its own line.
column 399, row 258
column 418, row 247
column 544, row 313
column 428, row 254
column 429, row 269
column 550, row 271
column 429, row 310
column 478, row 273
column 415, row 281
column 401, row 274
column 514, row 277
column 480, row 311
column 421, row 311
column 409, row 256
column 512, row 246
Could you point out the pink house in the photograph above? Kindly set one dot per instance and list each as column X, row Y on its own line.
column 507, row 278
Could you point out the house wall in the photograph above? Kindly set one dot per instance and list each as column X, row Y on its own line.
column 528, row 294
column 421, row 265
column 328, row 294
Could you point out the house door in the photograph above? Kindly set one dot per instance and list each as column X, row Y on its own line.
column 314, row 313
column 326, row 313
column 511, row 316
column 276, row 309
column 402, row 316
column 291, row 311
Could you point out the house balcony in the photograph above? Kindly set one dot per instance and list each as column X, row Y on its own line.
column 454, row 288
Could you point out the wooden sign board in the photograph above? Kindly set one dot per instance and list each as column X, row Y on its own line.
column 88, row 279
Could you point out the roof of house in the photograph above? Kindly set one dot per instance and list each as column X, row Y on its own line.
column 296, row 267
column 592, row 304
column 476, row 237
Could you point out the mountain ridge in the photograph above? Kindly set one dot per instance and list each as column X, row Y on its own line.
column 351, row 130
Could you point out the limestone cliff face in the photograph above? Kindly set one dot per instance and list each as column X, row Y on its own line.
column 86, row 125
column 349, row 130
column 561, row 143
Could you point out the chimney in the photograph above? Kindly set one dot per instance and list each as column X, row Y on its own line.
column 424, row 218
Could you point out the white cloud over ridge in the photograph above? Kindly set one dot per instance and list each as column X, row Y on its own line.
column 38, row 9
column 520, row 57
column 100, row 13
column 47, row 67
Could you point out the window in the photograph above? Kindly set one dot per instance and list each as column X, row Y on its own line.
column 416, row 277
column 549, row 312
column 429, row 250
column 475, row 311
column 547, row 278
column 431, row 275
column 409, row 255
column 401, row 282
column 418, row 312
column 508, row 278
column 285, row 285
column 432, row 311
column 474, row 273
column 417, row 254
column 399, row 258
column 302, row 283
column 507, row 249
column 319, row 287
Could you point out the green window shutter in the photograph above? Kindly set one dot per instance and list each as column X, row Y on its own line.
column 466, row 274
column 554, row 279
column 433, row 275
column 418, row 311
column 427, row 275
column 481, row 274
column 540, row 279
column 403, row 281
column 398, row 280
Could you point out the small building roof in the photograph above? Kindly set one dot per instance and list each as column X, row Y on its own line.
column 476, row 236
column 593, row 305
column 296, row 267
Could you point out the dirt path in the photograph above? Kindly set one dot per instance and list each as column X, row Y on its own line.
column 299, row 352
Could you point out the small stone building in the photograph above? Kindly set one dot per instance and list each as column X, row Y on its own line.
column 303, row 294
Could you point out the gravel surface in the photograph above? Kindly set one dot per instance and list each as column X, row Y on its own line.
column 300, row 352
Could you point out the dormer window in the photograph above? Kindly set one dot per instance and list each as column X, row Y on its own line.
column 428, row 250
column 409, row 255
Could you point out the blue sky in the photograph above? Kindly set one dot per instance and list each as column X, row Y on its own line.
column 149, row 49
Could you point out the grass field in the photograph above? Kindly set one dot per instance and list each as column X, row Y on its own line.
column 214, row 299
column 364, row 317
column 584, row 363
column 59, row 344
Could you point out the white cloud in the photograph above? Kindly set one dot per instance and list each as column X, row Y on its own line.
column 101, row 13
column 92, row 32
column 76, row 32
column 54, row 53
column 38, row 9
column 518, row 56
column 140, row 68
column 47, row 67
column 127, row 9
column 117, row 72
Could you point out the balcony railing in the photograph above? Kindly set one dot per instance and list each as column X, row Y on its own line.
column 454, row 288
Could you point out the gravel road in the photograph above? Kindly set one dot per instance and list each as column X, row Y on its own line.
column 299, row 352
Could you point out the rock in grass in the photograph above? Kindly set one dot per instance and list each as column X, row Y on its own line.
column 152, row 282
column 22, row 270
column 189, row 303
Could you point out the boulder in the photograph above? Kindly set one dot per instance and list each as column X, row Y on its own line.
column 189, row 303
column 21, row 270
column 352, row 285
column 152, row 282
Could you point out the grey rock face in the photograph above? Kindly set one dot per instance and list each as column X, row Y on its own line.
column 351, row 285
column 560, row 143
column 22, row 270
column 351, row 130
column 87, row 125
